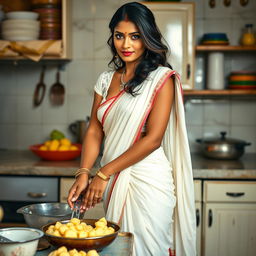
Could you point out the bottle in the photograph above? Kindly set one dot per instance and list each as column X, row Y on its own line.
column 248, row 37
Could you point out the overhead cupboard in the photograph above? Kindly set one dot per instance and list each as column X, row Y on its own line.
column 50, row 49
column 176, row 23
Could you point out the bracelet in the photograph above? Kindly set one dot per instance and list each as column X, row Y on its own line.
column 82, row 170
column 102, row 175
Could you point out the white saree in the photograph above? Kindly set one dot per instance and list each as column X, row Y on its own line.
column 146, row 197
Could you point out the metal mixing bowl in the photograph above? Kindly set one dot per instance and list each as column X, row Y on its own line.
column 38, row 215
column 89, row 243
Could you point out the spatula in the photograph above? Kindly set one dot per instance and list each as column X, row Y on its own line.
column 57, row 91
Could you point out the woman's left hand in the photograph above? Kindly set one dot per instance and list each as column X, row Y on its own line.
column 94, row 193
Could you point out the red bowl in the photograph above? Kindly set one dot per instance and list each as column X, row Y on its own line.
column 56, row 155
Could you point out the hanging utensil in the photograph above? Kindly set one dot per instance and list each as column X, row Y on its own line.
column 212, row 3
column 57, row 91
column 40, row 89
column 227, row 2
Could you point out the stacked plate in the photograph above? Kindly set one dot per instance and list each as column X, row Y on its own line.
column 50, row 18
column 20, row 26
column 215, row 39
column 242, row 80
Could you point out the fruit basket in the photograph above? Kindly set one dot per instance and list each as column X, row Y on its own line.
column 56, row 155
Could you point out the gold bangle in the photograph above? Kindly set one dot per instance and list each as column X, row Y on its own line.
column 102, row 175
column 82, row 170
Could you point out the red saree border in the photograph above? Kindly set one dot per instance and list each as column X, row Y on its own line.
column 110, row 106
column 159, row 85
column 105, row 102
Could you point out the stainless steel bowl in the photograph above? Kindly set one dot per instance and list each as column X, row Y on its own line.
column 38, row 215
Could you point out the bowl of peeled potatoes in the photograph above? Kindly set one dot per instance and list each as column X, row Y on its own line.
column 85, row 234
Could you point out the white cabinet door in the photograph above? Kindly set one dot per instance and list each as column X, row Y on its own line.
column 230, row 229
column 176, row 23
column 198, row 227
column 198, row 206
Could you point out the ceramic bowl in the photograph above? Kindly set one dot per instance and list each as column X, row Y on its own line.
column 21, row 25
column 17, row 35
column 24, row 241
column 89, row 243
column 22, row 15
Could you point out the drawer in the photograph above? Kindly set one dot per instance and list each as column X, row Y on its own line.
column 29, row 189
column 229, row 191
column 198, row 190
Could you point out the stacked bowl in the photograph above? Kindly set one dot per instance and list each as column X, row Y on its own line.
column 20, row 26
column 215, row 39
column 50, row 18
column 242, row 80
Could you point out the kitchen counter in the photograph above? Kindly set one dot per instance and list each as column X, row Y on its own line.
column 15, row 162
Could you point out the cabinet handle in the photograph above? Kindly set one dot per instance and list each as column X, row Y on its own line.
column 36, row 195
column 197, row 217
column 188, row 71
column 234, row 194
column 210, row 218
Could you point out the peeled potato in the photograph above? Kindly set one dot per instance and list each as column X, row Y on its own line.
column 62, row 249
column 63, row 229
column 56, row 233
column 70, row 233
column 63, row 254
column 92, row 253
column 75, row 221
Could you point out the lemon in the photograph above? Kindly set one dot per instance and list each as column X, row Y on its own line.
column 63, row 148
column 43, row 148
column 65, row 142
column 73, row 148
column 47, row 143
column 54, row 145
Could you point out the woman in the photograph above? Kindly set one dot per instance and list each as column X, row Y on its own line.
column 138, row 111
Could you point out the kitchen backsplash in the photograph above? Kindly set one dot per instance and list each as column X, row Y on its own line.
column 22, row 125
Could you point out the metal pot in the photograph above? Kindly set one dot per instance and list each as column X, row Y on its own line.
column 222, row 147
column 78, row 129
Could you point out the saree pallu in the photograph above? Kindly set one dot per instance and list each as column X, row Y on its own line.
column 142, row 198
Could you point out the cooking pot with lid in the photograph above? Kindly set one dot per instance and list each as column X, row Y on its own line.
column 222, row 147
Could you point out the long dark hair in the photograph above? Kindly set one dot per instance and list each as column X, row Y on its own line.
column 155, row 51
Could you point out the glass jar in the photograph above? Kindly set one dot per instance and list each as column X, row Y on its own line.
column 248, row 37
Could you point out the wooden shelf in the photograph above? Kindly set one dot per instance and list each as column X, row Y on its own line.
column 228, row 48
column 219, row 94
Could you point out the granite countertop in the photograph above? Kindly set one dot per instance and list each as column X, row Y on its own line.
column 16, row 162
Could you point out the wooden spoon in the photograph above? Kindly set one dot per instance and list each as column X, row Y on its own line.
column 57, row 91
column 40, row 90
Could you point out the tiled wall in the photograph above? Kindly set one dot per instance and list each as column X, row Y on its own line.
column 22, row 125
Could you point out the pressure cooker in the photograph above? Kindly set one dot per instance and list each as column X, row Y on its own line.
column 222, row 147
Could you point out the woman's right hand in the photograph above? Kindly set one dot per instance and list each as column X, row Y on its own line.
column 77, row 188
